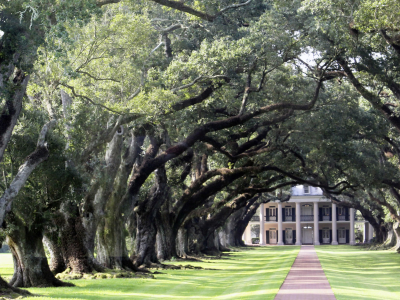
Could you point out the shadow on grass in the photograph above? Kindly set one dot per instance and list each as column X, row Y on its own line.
column 255, row 274
column 355, row 273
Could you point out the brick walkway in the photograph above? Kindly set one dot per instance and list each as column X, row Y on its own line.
column 306, row 279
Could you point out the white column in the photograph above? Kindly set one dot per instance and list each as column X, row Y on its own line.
column 298, row 224
column 334, row 225
column 280, row 218
column 352, row 237
column 316, row 227
column 262, row 229
column 247, row 234
column 370, row 232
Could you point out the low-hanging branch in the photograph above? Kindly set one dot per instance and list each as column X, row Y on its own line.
column 179, row 5
column 40, row 154
column 375, row 100
column 143, row 172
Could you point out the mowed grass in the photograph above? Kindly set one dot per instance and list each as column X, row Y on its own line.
column 256, row 273
column 355, row 273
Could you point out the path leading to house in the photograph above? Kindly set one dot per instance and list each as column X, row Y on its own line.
column 306, row 279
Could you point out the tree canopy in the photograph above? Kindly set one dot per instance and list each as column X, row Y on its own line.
column 167, row 123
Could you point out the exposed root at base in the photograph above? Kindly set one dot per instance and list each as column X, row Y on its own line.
column 9, row 292
column 107, row 274
column 176, row 267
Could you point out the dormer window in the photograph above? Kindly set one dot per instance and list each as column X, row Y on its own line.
column 306, row 189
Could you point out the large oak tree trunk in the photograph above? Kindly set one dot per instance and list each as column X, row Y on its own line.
column 145, row 241
column 166, row 239
column 112, row 250
column 72, row 237
column 30, row 262
column 146, row 213
column 182, row 246
column 396, row 229
column 233, row 230
column 232, row 211
column 57, row 263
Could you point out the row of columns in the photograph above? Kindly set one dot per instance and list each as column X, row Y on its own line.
column 298, row 225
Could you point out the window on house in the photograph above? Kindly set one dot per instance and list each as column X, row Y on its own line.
column 306, row 189
column 326, row 211
column 340, row 211
column 288, row 211
column 272, row 212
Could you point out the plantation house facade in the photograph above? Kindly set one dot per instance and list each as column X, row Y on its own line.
column 307, row 218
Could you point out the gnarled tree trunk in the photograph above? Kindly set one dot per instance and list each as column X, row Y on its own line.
column 166, row 240
column 182, row 243
column 146, row 213
column 72, row 235
column 111, row 247
column 57, row 263
column 396, row 228
column 30, row 262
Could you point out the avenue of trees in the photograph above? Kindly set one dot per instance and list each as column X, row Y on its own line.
column 132, row 132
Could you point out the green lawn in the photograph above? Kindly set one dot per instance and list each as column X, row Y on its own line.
column 354, row 273
column 256, row 273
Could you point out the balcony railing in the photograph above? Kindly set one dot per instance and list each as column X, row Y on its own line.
column 272, row 218
column 255, row 218
column 307, row 218
column 288, row 219
column 326, row 218
column 342, row 218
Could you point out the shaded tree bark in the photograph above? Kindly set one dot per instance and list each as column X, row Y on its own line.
column 72, row 237
column 57, row 263
column 30, row 262
column 112, row 250
column 146, row 225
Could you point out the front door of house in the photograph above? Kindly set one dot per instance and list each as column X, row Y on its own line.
column 342, row 236
column 272, row 236
column 307, row 234
column 289, row 236
column 326, row 236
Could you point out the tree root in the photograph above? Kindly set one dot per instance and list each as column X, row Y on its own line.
column 106, row 274
column 9, row 292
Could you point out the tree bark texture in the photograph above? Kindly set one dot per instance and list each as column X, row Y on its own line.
column 146, row 213
column 111, row 246
column 30, row 263
column 396, row 229
column 40, row 154
column 57, row 263
column 72, row 235
column 166, row 240
column 93, row 211
column 182, row 246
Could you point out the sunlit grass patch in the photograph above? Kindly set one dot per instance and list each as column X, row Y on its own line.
column 355, row 273
column 256, row 273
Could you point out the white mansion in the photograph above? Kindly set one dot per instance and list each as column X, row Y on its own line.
column 307, row 218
